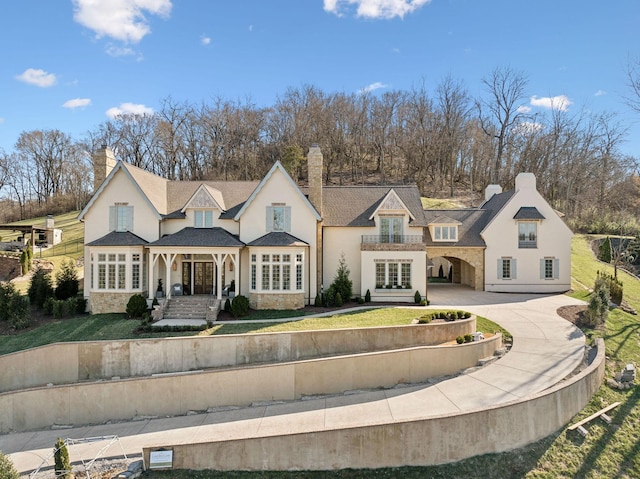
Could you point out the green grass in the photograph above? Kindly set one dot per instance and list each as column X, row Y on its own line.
column 441, row 204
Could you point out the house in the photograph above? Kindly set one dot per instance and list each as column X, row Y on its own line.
column 280, row 244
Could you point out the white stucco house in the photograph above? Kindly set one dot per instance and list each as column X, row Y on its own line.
column 280, row 244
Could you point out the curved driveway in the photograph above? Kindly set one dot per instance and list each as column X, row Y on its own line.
column 546, row 349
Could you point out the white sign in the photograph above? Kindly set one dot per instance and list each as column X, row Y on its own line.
column 162, row 459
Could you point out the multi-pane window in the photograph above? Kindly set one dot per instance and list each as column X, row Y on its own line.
column 112, row 271
column 203, row 218
column 135, row 271
column 527, row 234
column 549, row 268
column 393, row 273
column 276, row 270
column 445, row 233
column 506, row 268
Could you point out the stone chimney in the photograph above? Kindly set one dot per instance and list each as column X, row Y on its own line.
column 491, row 190
column 103, row 162
column 314, row 174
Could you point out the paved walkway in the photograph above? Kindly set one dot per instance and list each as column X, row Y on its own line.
column 545, row 350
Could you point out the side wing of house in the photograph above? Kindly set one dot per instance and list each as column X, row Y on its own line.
column 118, row 222
column 280, row 228
column 528, row 246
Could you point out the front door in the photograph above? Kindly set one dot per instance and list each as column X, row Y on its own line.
column 186, row 278
column 202, row 278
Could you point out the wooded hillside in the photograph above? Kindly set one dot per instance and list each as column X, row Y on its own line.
column 445, row 141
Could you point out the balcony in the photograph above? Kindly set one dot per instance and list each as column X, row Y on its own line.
column 392, row 243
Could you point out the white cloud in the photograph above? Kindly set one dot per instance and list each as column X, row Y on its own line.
column 119, row 51
column 122, row 20
column 1, row 120
column 524, row 109
column 37, row 77
column 205, row 40
column 559, row 102
column 77, row 103
column 250, row 28
column 601, row 93
column 374, row 86
column 129, row 108
column 375, row 8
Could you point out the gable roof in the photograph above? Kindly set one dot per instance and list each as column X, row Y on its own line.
column 470, row 223
column 355, row 205
column 443, row 220
column 205, row 197
column 391, row 202
column 277, row 166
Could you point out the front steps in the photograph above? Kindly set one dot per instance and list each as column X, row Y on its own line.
column 188, row 307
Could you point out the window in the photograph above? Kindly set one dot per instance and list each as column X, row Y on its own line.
column 276, row 270
column 203, row 218
column 278, row 218
column 112, row 271
column 121, row 217
column 135, row 271
column 445, row 233
column 393, row 273
column 506, row 268
column 391, row 229
column 549, row 268
column 527, row 234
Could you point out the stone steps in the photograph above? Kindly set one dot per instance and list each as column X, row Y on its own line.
column 187, row 307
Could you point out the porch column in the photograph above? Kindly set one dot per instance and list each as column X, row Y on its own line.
column 150, row 266
column 167, row 274
column 219, row 266
column 236, row 265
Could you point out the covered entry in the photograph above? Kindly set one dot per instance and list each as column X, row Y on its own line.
column 467, row 264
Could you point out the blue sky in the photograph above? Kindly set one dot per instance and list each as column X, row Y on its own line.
column 72, row 64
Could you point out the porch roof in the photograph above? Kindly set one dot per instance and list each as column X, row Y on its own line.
column 119, row 238
column 200, row 237
column 278, row 238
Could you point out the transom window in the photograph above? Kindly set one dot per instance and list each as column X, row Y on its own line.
column 527, row 234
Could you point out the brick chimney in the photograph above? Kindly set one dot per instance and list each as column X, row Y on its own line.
column 103, row 162
column 314, row 174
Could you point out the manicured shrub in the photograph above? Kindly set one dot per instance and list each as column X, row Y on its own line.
column 81, row 304
column 329, row 297
column 318, row 300
column 7, row 469
column 40, row 287
column 136, row 306
column 60, row 309
column 417, row 297
column 61, row 458
column 360, row 300
column 14, row 307
column 604, row 251
column 24, row 262
column 459, row 340
column 338, row 299
column 424, row 302
column 66, row 280
column 598, row 307
column 468, row 338
column 227, row 305
column 367, row 297
column 240, row 306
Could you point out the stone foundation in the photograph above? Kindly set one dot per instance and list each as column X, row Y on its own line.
column 276, row 300
column 100, row 303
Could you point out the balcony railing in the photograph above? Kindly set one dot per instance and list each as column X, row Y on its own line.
column 392, row 239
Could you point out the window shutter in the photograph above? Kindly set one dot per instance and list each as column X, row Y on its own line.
column 128, row 219
column 499, row 274
column 542, row 263
column 556, row 268
column 112, row 218
column 269, row 222
column 287, row 219
column 513, row 269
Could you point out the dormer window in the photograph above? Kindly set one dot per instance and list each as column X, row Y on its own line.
column 527, row 234
column 391, row 229
column 445, row 233
column 203, row 218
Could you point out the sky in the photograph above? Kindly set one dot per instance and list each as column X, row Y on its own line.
column 71, row 65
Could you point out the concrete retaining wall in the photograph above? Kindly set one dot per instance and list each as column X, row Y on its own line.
column 68, row 363
column 435, row 440
column 176, row 394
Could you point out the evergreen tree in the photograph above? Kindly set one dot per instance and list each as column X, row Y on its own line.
column 66, row 280
column 604, row 252
column 61, row 457
column 40, row 287
column 7, row 469
column 341, row 283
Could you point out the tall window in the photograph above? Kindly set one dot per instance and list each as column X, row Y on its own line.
column 391, row 229
column 112, row 271
column 278, row 218
column 276, row 270
column 527, row 234
column 121, row 217
column 135, row 271
column 506, row 268
column 203, row 218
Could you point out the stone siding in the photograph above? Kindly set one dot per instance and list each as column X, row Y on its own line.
column 100, row 303
column 276, row 301
column 471, row 271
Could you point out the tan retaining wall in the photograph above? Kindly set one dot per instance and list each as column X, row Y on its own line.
column 435, row 440
column 176, row 394
column 67, row 363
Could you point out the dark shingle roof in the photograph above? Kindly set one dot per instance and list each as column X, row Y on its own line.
column 528, row 213
column 204, row 237
column 235, row 193
column 353, row 205
column 119, row 238
column 278, row 238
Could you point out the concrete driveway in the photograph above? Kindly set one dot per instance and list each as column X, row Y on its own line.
column 546, row 349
